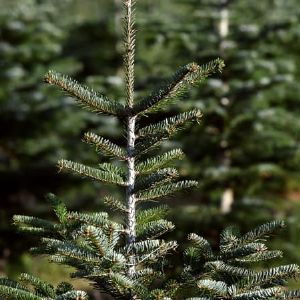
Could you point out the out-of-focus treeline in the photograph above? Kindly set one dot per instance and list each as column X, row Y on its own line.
column 245, row 151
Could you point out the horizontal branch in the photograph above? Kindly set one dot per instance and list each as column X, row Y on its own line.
column 165, row 190
column 260, row 256
column 20, row 220
column 201, row 245
column 267, row 293
column 115, row 204
column 81, row 169
column 272, row 275
column 149, row 142
column 185, row 77
column 111, row 168
column 85, row 96
column 262, row 231
column 151, row 214
column 154, row 229
column 43, row 287
column 72, row 251
column 142, row 246
column 162, row 250
column 15, row 293
column 155, row 163
column 98, row 219
column 161, row 176
column 170, row 124
column 104, row 145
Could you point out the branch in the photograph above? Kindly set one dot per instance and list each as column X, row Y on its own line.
column 81, row 169
column 104, row 145
column 165, row 189
column 155, row 163
column 170, row 124
column 85, row 97
column 157, row 178
column 149, row 142
column 184, row 78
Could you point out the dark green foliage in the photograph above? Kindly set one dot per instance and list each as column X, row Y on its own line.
column 101, row 175
column 169, row 125
column 104, row 146
column 97, row 247
column 247, row 139
column 122, row 259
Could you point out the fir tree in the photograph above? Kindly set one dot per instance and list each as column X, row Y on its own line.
column 126, row 259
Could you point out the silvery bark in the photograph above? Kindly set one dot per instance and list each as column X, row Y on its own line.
column 129, row 43
column 130, row 196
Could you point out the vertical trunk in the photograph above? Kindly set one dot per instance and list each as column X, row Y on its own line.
column 130, row 197
column 227, row 200
column 129, row 45
column 227, row 197
column 223, row 28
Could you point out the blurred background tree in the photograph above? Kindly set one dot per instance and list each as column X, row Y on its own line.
column 246, row 151
column 32, row 38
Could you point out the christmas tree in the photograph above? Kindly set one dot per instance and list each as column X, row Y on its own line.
column 126, row 259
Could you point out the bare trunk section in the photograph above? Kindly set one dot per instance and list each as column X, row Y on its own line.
column 227, row 201
column 130, row 196
column 227, row 197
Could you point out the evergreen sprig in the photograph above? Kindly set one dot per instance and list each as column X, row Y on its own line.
column 171, row 124
column 155, row 163
column 165, row 189
column 183, row 78
column 84, row 95
column 106, row 175
column 105, row 146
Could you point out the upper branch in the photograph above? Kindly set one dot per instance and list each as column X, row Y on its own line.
column 185, row 77
column 85, row 96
